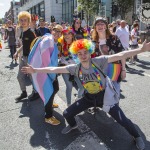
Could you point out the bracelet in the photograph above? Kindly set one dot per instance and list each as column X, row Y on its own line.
column 123, row 70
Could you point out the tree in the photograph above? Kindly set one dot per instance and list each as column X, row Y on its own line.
column 146, row 1
column 90, row 7
column 124, row 6
column 1, row 21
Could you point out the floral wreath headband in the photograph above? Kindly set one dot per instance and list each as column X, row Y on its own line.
column 69, row 29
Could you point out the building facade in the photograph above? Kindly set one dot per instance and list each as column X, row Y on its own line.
column 68, row 9
column 43, row 8
column 13, row 11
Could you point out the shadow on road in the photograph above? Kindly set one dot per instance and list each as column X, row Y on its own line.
column 111, row 133
column 45, row 135
column 12, row 65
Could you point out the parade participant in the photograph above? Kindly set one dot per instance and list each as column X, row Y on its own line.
column 0, row 45
column 123, row 34
column 79, row 32
column 42, row 29
column 108, row 44
column 49, row 118
column 27, row 36
column 63, row 24
column 10, row 35
column 45, row 53
column 134, row 40
column 94, row 82
column 117, row 25
column 66, row 59
column 33, row 25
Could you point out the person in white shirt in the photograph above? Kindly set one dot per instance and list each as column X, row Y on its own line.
column 123, row 34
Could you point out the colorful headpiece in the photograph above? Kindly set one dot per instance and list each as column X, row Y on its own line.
column 34, row 17
column 81, row 44
column 68, row 29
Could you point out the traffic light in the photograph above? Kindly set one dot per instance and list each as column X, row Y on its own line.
column 52, row 19
column 81, row 15
column 114, row 10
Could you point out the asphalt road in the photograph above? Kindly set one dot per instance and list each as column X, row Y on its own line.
column 22, row 124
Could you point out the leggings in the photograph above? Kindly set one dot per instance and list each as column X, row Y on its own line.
column 48, row 106
column 88, row 101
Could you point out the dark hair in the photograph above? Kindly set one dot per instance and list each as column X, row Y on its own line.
column 135, row 25
column 73, row 24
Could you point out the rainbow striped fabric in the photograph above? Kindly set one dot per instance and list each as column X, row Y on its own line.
column 44, row 54
column 113, row 71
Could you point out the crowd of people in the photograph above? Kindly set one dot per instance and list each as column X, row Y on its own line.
column 86, row 56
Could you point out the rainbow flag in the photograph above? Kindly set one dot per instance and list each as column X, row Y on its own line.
column 44, row 54
column 113, row 71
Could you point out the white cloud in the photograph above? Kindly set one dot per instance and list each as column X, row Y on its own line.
column 1, row 4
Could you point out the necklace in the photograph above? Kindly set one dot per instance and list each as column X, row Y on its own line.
column 97, row 74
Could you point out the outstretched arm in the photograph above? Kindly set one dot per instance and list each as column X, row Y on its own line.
column 126, row 54
column 30, row 69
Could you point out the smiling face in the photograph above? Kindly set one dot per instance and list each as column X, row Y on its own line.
column 83, row 55
column 68, row 36
column 100, row 27
column 56, row 34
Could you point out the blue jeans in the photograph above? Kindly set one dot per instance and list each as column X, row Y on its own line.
column 88, row 101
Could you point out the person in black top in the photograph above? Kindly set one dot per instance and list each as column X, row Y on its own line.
column 27, row 36
column 42, row 29
column 10, row 35
column 79, row 32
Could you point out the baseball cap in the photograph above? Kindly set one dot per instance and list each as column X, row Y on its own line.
column 41, row 20
column 100, row 19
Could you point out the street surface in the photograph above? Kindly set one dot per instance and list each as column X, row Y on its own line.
column 22, row 124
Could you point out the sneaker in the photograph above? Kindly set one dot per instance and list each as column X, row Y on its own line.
column 55, row 105
column 68, row 129
column 23, row 95
column 140, row 143
column 52, row 121
column 33, row 96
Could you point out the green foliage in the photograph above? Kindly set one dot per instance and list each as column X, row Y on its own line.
column 1, row 21
column 89, row 6
column 125, row 6
column 146, row 1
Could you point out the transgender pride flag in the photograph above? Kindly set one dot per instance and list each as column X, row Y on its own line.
column 44, row 54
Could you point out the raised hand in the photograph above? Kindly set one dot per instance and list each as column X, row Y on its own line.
column 145, row 47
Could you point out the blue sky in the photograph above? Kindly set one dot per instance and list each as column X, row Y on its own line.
column 4, row 7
